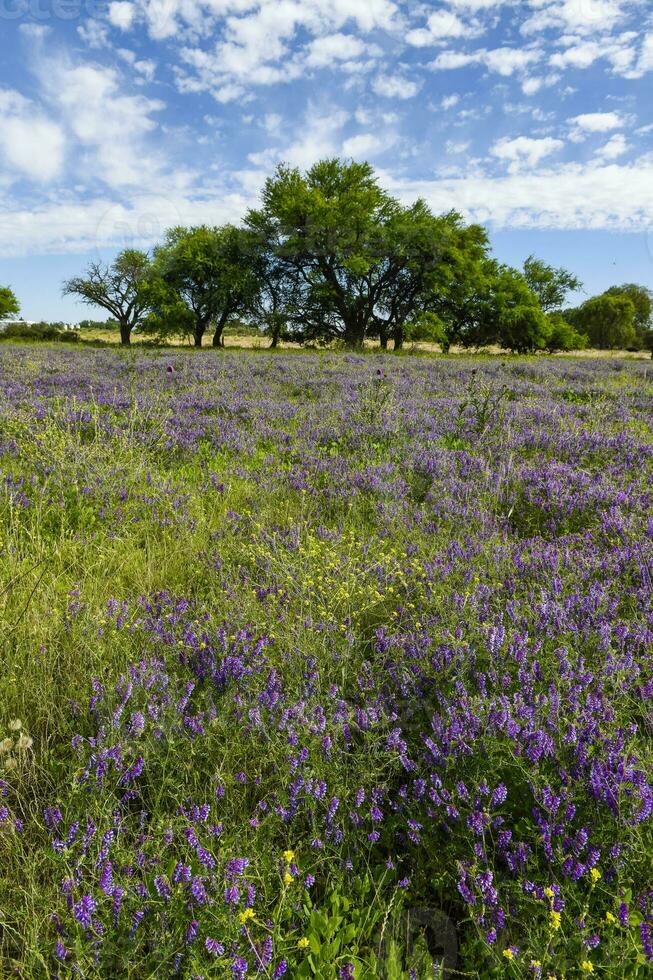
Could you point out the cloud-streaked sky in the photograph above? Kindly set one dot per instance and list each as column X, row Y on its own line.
column 120, row 118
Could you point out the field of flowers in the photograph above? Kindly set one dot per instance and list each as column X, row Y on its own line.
column 325, row 666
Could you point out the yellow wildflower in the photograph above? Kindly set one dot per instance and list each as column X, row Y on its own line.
column 508, row 953
column 549, row 892
column 288, row 856
column 609, row 917
column 287, row 878
column 535, row 964
column 587, row 967
column 595, row 875
column 554, row 920
column 303, row 942
column 246, row 915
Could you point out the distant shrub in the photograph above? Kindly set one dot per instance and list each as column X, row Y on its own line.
column 563, row 336
column 38, row 331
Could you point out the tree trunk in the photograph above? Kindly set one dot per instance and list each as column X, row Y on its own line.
column 275, row 341
column 218, row 338
column 398, row 338
column 198, row 333
column 354, row 335
column 383, row 339
column 125, row 334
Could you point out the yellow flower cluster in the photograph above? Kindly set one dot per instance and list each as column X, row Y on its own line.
column 554, row 920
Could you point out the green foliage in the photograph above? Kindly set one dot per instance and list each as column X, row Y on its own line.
column 39, row 331
column 209, row 272
column 549, row 284
column 9, row 305
column 642, row 300
column 355, row 261
column 331, row 257
column 607, row 320
column 563, row 336
column 119, row 288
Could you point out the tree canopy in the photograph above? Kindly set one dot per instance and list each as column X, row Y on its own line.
column 210, row 271
column 9, row 305
column 329, row 255
column 607, row 320
column 360, row 263
column 120, row 288
column 551, row 285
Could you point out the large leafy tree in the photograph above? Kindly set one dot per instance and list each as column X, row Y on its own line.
column 430, row 258
column 275, row 305
column 210, row 271
column 496, row 306
column 9, row 305
column 550, row 284
column 608, row 320
column 642, row 300
column 121, row 288
column 360, row 261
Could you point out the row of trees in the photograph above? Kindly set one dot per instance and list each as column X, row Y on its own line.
column 329, row 255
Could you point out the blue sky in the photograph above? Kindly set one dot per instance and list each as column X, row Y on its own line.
column 120, row 118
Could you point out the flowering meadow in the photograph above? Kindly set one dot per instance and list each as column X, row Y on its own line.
column 325, row 665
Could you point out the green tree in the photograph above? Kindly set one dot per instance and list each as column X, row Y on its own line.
column 642, row 300
column 460, row 289
column 276, row 304
column 359, row 261
column 563, row 336
column 210, row 271
column 431, row 257
column 120, row 288
column 9, row 305
column 551, row 285
column 500, row 308
column 607, row 320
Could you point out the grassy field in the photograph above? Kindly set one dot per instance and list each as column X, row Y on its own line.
column 252, row 342
column 332, row 667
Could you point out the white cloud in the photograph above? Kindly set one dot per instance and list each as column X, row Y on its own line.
column 121, row 14
column 504, row 61
column 109, row 126
column 30, row 143
column 578, row 16
column 272, row 123
column 597, row 122
column 395, row 87
column 477, row 5
column 644, row 62
column 364, row 145
column 320, row 138
column 449, row 101
column 531, row 85
column 575, row 196
column 440, row 24
column 616, row 146
column 266, row 42
column 524, row 151
column 454, row 149
column 326, row 51
column 581, row 53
